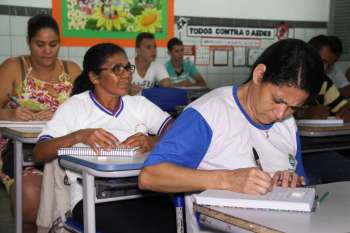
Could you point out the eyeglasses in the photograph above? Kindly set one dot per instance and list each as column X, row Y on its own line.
column 118, row 69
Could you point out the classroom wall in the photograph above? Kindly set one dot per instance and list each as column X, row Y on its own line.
column 311, row 10
column 13, row 28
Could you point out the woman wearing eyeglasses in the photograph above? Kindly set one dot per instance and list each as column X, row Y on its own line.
column 100, row 114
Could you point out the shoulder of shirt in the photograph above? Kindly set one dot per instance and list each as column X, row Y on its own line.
column 187, row 62
column 77, row 98
column 216, row 97
column 134, row 99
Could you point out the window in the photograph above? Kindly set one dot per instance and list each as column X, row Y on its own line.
column 339, row 22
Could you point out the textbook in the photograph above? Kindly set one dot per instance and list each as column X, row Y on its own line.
column 85, row 152
column 287, row 199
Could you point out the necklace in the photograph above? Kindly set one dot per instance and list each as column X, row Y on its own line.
column 266, row 134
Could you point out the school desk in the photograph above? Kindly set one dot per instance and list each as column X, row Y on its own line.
column 321, row 138
column 331, row 215
column 20, row 135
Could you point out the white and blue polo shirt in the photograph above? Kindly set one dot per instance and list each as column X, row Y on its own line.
column 215, row 132
column 83, row 111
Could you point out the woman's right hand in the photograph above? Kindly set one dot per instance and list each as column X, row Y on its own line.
column 97, row 139
column 247, row 180
column 22, row 114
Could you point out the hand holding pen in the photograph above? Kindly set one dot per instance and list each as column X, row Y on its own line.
column 19, row 113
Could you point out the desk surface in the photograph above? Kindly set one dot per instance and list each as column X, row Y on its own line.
column 324, row 131
column 104, row 167
column 21, row 132
column 332, row 215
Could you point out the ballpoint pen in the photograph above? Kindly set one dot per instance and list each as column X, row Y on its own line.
column 14, row 100
column 257, row 159
column 322, row 198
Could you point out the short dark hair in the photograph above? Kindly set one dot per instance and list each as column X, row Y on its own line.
column 336, row 44
column 172, row 42
column 94, row 58
column 292, row 62
column 141, row 36
column 38, row 22
column 320, row 41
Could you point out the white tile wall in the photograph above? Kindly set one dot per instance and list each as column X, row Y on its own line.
column 18, row 25
column 4, row 25
column 13, row 43
column 19, row 45
column 63, row 53
column 5, row 45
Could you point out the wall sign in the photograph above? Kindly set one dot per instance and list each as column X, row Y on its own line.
column 87, row 22
column 230, row 32
column 231, row 42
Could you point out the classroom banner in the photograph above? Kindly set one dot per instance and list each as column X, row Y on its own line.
column 230, row 32
column 87, row 22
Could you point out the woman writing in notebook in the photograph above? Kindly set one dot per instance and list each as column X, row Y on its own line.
column 220, row 139
column 31, row 88
column 100, row 114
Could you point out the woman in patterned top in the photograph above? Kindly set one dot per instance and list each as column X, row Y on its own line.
column 39, row 82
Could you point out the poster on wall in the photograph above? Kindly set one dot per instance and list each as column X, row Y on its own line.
column 87, row 22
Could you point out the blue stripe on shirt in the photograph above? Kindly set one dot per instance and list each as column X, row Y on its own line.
column 300, row 166
column 185, row 144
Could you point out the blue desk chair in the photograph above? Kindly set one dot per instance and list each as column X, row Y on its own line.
column 166, row 98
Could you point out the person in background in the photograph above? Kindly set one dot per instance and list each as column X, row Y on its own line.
column 147, row 72
column 334, row 72
column 211, row 145
column 31, row 88
column 347, row 74
column 100, row 114
column 182, row 72
column 329, row 102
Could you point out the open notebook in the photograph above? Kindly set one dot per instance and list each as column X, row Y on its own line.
column 288, row 199
column 85, row 152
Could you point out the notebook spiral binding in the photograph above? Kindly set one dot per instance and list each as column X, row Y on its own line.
column 88, row 152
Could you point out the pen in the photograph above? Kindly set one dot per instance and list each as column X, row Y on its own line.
column 14, row 100
column 257, row 159
column 323, row 197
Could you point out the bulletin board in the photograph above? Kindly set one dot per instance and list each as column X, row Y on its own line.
column 239, row 56
column 202, row 56
column 87, row 22
column 220, row 57
column 190, row 53
column 253, row 54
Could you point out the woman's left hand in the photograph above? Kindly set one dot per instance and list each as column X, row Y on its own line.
column 43, row 115
column 143, row 142
column 288, row 179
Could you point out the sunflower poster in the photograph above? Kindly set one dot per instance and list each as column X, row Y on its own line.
column 87, row 22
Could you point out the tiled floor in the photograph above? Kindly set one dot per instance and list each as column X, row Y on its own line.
column 6, row 219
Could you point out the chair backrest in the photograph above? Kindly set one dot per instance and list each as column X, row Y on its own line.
column 166, row 98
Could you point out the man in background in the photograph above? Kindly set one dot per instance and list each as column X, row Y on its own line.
column 329, row 101
column 182, row 72
column 147, row 72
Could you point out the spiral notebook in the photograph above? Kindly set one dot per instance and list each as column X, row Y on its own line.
column 85, row 152
column 287, row 199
